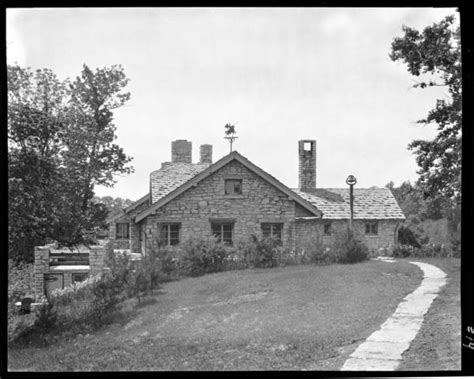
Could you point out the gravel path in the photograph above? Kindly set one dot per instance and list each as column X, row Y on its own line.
column 383, row 349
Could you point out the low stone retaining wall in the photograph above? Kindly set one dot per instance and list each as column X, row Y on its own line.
column 44, row 255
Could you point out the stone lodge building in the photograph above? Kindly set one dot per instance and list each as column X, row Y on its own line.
column 233, row 198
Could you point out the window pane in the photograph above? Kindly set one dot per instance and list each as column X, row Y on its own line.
column 122, row 230
column 233, row 186
column 277, row 231
column 174, row 228
column 266, row 230
column 374, row 228
column 327, row 228
column 223, row 232
column 367, row 228
column 237, row 187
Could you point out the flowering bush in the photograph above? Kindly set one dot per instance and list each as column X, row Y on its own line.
column 425, row 251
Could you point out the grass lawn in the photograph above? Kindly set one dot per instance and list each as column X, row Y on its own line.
column 437, row 346
column 289, row 318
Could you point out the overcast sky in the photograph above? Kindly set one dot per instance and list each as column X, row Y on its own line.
column 279, row 74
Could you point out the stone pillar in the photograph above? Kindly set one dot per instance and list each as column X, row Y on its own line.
column 206, row 154
column 96, row 259
column 307, row 164
column 181, row 151
column 40, row 268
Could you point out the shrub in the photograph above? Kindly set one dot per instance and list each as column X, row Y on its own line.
column 349, row 248
column 200, row 256
column 402, row 251
column 425, row 251
column 313, row 251
column 20, row 284
column 261, row 252
column 20, row 281
column 406, row 236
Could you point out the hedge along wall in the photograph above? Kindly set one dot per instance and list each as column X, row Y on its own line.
column 194, row 209
column 307, row 231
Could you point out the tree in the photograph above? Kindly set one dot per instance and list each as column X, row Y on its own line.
column 36, row 112
column 60, row 144
column 434, row 56
column 91, row 157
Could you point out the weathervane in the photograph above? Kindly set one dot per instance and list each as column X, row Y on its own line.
column 230, row 134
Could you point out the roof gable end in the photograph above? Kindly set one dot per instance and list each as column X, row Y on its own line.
column 215, row 167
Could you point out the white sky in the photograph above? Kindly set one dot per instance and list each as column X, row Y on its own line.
column 279, row 74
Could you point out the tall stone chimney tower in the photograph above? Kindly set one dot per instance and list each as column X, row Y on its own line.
column 206, row 154
column 307, row 165
column 181, row 151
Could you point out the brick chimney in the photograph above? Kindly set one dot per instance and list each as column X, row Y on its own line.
column 206, row 154
column 307, row 164
column 181, row 151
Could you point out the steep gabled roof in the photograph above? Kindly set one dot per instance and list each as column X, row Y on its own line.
column 171, row 176
column 369, row 203
column 190, row 182
column 130, row 208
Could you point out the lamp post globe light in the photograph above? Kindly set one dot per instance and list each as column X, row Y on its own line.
column 351, row 181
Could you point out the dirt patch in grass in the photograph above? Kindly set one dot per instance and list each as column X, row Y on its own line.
column 300, row 317
column 437, row 346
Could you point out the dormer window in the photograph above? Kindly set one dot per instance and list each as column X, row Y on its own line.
column 233, row 186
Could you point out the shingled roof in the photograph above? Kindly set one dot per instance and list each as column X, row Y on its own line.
column 369, row 203
column 172, row 175
column 174, row 178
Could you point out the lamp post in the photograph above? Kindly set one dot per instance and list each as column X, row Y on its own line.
column 351, row 180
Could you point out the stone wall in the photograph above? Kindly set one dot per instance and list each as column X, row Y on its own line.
column 133, row 242
column 42, row 267
column 259, row 202
column 310, row 230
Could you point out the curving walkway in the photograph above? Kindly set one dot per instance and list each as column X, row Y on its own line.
column 383, row 350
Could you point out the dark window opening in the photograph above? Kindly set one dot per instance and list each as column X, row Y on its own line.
column 122, row 230
column 223, row 232
column 272, row 230
column 371, row 228
column 169, row 234
column 79, row 277
column 327, row 229
column 233, row 186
